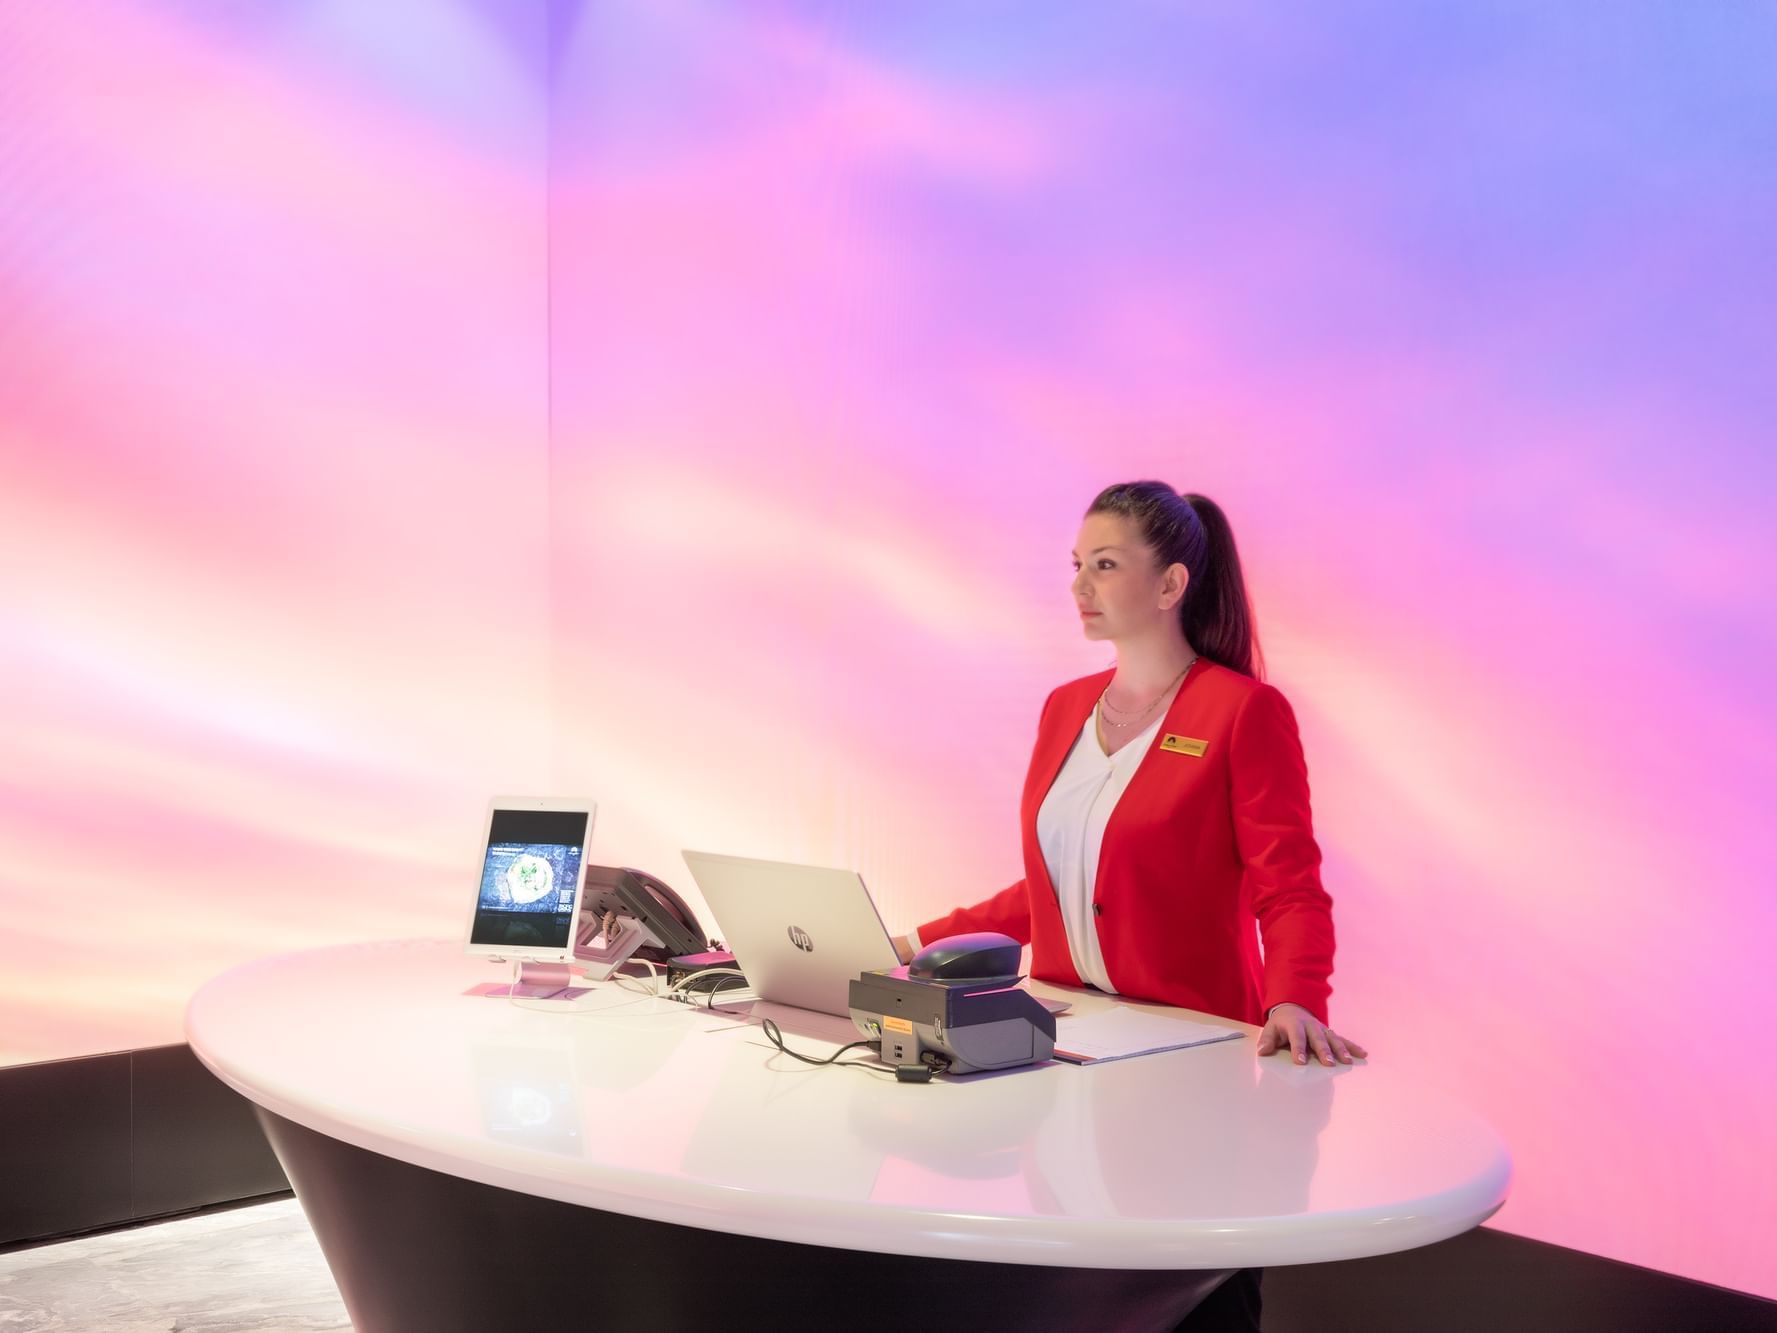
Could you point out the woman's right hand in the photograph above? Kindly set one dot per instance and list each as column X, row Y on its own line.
column 904, row 948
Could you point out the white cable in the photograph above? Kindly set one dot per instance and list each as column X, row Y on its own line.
column 684, row 982
column 679, row 991
column 633, row 983
column 549, row 1006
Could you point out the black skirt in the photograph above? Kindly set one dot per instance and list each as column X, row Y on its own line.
column 1232, row 1307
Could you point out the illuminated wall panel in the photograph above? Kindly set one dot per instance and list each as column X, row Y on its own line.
column 1461, row 313
column 709, row 435
column 273, row 543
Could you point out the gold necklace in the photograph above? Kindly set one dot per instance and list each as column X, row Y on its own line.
column 1104, row 702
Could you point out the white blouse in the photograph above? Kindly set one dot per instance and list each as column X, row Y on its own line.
column 1070, row 831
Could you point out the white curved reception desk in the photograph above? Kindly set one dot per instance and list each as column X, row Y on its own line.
column 483, row 1164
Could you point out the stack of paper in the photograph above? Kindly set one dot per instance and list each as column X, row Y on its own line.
column 1120, row 1032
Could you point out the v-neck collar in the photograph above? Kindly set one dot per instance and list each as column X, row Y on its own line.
column 1143, row 737
column 1079, row 706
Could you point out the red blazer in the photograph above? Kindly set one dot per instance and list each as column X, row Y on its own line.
column 1199, row 845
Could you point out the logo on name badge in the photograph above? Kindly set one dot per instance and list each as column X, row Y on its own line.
column 1183, row 744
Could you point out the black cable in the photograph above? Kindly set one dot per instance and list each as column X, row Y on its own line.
column 775, row 1035
column 710, row 995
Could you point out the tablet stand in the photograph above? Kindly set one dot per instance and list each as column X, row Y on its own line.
column 536, row 981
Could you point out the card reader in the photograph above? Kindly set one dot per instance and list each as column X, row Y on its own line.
column 971, row 1025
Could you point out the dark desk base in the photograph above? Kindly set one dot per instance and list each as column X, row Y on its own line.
column 418, row 1250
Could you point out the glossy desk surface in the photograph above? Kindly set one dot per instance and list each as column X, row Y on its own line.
column 1201, row 1158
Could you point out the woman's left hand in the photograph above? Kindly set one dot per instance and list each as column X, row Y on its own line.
column 1293, row 1026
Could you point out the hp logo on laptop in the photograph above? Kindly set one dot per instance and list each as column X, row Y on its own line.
column 799, row 937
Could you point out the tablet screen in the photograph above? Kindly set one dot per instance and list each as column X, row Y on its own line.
column 528, row 879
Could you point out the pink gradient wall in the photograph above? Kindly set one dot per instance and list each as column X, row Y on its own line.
column 1466, row 323
column 356, row 461
column 273, row 464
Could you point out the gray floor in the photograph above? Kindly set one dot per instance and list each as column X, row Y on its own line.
column 255, row 1268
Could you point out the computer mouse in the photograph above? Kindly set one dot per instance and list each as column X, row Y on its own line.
column 985, row 955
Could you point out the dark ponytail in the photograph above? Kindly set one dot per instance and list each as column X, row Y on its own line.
column 1192, row 530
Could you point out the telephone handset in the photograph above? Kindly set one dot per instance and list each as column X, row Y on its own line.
column 627, row 913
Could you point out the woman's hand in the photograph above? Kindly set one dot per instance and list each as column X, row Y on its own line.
column 1294, row 1026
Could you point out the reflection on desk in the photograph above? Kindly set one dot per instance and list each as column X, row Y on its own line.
column 1201, row 1158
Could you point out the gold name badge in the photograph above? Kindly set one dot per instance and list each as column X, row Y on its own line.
column 1183, row 744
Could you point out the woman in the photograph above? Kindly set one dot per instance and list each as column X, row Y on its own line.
column 1166, row 805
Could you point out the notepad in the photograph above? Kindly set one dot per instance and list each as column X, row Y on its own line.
column 1120, row 1032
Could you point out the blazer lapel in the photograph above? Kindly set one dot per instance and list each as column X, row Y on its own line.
column 1146, row 766
column 1066, row 718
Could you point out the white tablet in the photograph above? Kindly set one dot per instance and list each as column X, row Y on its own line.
column 533, row 871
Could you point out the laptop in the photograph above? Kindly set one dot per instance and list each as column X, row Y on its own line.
column 802, row 934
